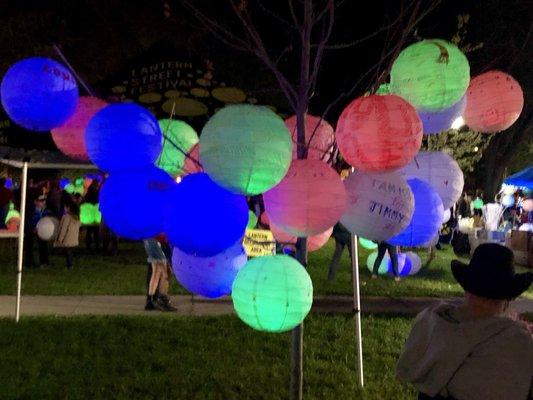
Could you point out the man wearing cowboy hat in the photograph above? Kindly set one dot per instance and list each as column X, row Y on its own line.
column 475, row 350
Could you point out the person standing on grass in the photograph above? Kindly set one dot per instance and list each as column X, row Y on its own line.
column 382, row 248
column 479, row 349
column 92, row 232
column 69, row 232
column 6, row 196
column 158, row 277
column 343, row 238
column 35, row 210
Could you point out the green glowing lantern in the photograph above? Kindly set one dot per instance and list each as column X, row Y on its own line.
column 12, row 213
column 246, row 149
column 90, row 214
column 177, row 133
column 272, row 293
column 252, row 220
column 478, row 204
column 367, row 244
column 432, row 75
column 383, row 267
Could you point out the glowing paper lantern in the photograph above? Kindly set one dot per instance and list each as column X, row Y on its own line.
column 210, row 277
column 379, row 133
column 432, row 75
column 177, row 133
column 39, row 93
column 47, row 228
column 272, row 293
column 70, row 137
column 367, row 244
column 318, row 135
column 123, row 136
column 192, row 164
column 446, row 216
column 383, row 267
column 12, row 213
column 508, row 200
column 527, row 205
column 90, row 214
column 314, row 242
column 13, row 224
column 404, row 265
column 309, row 199
column 252, row 220
column 195, row 204
column 379, row 205
column 436, row 122
column 133, row 202
column 426, row 219
column 478, row 204
column 508, row 189
column 416, row 262
column 494, row 102
column 246, row 149
column 441, row 171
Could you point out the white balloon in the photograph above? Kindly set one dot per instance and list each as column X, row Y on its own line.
column 47, row 228
column 441, row 171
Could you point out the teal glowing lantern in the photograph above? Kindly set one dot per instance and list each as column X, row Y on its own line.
column 175, row 133
column 252, row 220
column 383, row 266
column 478, row 204
column 246, row 149
column 272, row 293
column 432, row 75
column 39, row 93
column 367, row 244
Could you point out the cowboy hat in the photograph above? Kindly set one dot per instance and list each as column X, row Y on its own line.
column 491, row 273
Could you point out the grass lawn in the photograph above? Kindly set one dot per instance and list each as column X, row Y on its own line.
column 194, row 358
column 126, row 274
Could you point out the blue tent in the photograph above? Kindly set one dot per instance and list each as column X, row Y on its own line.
column 523, row 178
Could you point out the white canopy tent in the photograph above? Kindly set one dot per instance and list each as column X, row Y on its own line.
column 24, row 166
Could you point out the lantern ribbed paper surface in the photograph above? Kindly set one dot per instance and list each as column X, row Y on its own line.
column 442, row 120
column 272, row 293
column 494, row 102
column 426, row 219
column 141, row 216
column 441, row 171
column 432, row 75
column 210, row 277
column 314, row 242
column 379, row 205
column 70, row 137
column 379, row 133
column 383, row 267
column 177, row 133
column 416, row 262
column 246, row 149
column 123, row 136
column 309, row 199
column 39, row 93
column 318, row 135
column 204, row 219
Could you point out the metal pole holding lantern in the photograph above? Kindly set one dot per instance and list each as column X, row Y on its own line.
column 357, row 309
column 21, row 236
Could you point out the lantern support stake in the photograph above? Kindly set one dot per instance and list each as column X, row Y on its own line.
column 64, row 59
column 21, row 236
column 357, row 309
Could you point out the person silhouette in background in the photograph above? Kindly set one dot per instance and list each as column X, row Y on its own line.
column 343, row 238
column 382, row 248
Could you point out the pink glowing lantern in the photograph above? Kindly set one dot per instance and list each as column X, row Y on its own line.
column 527, row 205
column 309, row 200
column 319, row 137
column 70, row 137
column 314, row 242
column 192, row 161
column 379, row 133
column 494, row 101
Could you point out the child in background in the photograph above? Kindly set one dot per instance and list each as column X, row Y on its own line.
column 69, row 231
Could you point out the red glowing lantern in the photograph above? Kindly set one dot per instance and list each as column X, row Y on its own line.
column 379, row 133
column 319, row 137
column 309, row 199
column 494, row 101
column 314, row 242
column 70, row 137
column 192, row 161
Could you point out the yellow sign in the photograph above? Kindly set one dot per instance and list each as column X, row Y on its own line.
column 259, row 242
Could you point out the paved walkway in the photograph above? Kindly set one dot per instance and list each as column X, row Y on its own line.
column 197, row 306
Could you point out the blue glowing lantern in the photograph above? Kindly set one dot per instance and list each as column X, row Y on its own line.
column 210, row 277
column 204, row 219
column 123, row 136
column 39, row 93
column 133, row 202
column 426, row 219
column 440, row 121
